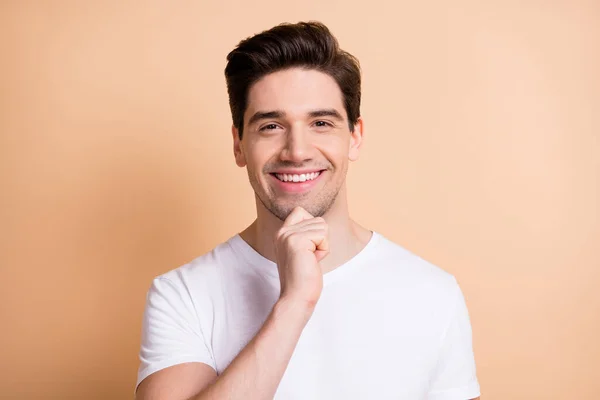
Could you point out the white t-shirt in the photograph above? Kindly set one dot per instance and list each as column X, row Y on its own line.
column 388, row 324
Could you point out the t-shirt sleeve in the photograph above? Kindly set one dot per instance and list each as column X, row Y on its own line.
column 171, row 332
column 455, row 375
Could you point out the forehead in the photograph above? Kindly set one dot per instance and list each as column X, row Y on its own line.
column 296, row 92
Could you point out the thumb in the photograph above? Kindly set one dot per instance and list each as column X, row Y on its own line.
column 322, row 249
column 298, row 214
column 321, row 254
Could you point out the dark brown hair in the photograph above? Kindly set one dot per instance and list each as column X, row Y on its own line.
column 304, row 44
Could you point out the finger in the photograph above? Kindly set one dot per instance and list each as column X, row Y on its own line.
column 320, row 254
column 317, row 237
column 298, row 214
column 311, row 222
column 322, row 248
column 323, row 244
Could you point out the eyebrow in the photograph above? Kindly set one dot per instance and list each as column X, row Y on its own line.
column 265, row 115
column 328, row 112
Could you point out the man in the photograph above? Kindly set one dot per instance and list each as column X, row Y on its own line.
column 304, row 303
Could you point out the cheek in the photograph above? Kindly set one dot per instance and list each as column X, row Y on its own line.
column 336, row 152
column 257, row 158
column 265, row 150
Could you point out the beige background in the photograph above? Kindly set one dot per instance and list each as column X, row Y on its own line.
column 482, row 155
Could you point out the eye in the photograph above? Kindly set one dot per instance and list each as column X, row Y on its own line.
column 269, row 127
column 322, row 124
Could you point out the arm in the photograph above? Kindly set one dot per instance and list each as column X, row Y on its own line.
column 170, row 333
column 254, row 374
column 258, row 369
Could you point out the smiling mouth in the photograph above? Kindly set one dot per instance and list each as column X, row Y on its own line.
column 297, row 178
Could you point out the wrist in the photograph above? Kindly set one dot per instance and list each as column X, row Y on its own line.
column 293, row 310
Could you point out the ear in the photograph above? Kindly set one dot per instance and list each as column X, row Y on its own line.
column 240, row 160
column 356, row 140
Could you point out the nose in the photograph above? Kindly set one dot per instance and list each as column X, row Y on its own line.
column 297, row 146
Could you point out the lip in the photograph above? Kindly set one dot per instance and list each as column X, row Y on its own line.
column 296, row 187
column 296, row 171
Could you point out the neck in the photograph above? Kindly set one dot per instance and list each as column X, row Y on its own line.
column 346, row 237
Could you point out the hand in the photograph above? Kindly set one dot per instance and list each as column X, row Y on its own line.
column 300, row 244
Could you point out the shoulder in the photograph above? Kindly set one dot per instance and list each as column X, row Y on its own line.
column 200, row 273
column 414, row 272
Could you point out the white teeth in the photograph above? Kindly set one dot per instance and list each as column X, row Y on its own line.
column 297, row 178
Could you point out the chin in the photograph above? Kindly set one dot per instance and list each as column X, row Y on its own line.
column 282, row 211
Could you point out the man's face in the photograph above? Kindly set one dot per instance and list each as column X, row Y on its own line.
column 296, row 141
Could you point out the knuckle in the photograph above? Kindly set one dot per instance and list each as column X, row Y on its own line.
column 293, row 238
column 284, row 237
column 295, row 241
column 280, row 233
